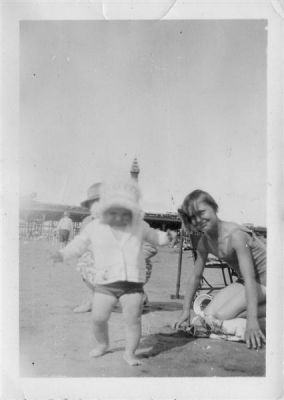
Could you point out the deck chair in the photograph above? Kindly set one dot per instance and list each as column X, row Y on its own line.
column 211, row 263
column 226, row 275
column 190, row 242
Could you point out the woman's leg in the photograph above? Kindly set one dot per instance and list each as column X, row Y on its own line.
column 132, row 305
column 230, row 302
column 101, row 310
column 261, row 311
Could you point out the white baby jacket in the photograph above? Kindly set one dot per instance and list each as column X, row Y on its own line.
column 116, row 260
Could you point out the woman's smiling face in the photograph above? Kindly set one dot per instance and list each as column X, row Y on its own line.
column 202, row 216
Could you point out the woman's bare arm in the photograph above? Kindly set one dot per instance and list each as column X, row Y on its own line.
column 193, row 282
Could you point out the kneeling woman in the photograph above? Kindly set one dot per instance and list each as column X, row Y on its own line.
column 245, row 254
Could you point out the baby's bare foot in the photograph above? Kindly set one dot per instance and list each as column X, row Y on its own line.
column 98, row 351
column 82, row 308
column 131, row 359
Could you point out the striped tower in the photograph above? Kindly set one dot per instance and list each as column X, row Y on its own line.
column 134, row 171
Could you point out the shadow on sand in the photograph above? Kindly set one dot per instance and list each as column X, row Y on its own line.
column 162, row 306
column 154, row 344
column 156, row 306
column 162, row 342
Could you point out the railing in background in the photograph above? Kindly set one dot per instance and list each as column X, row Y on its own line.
column 35, row 229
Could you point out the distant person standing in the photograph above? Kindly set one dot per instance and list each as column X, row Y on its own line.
column 64, row 229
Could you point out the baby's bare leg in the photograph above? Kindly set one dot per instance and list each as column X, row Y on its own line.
column 101, row 310
column 132, row 305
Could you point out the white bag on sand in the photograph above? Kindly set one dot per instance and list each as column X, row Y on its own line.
column 232, row 330
column 235, row 327
column 200, row 303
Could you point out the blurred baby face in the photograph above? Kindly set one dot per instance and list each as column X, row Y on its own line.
column 118, row 217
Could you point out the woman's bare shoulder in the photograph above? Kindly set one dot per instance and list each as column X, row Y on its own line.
column 237, row 234
column 230, row 228
column 228, row 225
column 233, row 232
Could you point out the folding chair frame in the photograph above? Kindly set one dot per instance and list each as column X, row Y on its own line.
column 205, row 284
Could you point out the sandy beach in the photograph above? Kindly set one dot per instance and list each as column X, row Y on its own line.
column 55, row 342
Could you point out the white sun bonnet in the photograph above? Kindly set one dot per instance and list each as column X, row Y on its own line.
column 121, row 193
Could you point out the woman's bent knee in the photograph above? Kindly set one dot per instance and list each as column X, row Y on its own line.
column 210, row 312
column 221, row 313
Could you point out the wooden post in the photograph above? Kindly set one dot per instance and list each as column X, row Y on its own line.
column 177, row 296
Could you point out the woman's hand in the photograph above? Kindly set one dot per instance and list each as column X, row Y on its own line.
column 253, row 335
column 183, row 317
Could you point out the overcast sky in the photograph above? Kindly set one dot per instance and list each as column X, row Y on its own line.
column 188, row 98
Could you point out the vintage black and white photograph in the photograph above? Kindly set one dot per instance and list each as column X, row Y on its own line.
column 174, row 111
column 143, row 198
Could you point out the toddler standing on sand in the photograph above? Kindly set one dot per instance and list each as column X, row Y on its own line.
column 86, row 263
column 116, row 238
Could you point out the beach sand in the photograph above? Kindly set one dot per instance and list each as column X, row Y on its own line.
column 55, row 342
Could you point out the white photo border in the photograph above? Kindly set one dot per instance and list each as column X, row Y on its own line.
column 13, row 386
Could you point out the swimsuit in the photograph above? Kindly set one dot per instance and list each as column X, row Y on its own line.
column 120, row 288
column 258, row 252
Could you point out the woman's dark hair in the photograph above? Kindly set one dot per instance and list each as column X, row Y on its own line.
column 189, row 204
